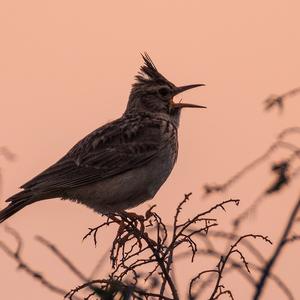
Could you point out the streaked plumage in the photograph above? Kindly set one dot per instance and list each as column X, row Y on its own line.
column 122, row 163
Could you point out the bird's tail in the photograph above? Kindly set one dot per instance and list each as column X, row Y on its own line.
column 17, row 202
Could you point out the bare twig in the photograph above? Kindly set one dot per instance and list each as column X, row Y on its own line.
column 288, row 131
column 7, row 154
column 65, row 260
column 223, row 260
column 278, row 100
column 268, row 267
column 213, row 188
column 22, row 265
column 239, row 267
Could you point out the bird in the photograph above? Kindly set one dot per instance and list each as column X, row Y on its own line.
column 123, row 163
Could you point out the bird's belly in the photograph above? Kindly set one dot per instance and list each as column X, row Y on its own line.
column 125, row 190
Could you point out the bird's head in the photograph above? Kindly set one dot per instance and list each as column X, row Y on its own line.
column 152, row 92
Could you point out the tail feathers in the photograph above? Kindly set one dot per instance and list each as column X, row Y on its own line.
column 17, row 202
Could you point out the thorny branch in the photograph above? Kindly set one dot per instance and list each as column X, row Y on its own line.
column 223, row 260
column 234, row 265
column 218, row 289
column 149, row 234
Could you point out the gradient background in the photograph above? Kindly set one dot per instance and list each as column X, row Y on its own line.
column 66, row 68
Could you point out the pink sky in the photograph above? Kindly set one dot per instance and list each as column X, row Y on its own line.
column 66, row 68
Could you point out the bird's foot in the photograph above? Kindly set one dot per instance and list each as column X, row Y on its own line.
column 131, row 225
column 135, row 217
column 138, row 220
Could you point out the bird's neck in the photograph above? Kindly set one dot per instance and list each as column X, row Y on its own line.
column 173, row 118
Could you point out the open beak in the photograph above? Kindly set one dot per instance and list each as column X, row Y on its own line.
column 181, row 89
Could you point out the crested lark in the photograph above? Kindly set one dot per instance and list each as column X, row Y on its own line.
column 121, row 164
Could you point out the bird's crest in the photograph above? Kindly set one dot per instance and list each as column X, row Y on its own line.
column 148, row 71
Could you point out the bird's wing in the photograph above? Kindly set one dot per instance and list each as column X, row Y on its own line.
column 117, row 147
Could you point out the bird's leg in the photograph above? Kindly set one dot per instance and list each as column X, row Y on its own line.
column 135, row 217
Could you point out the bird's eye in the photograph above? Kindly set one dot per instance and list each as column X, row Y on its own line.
column 164, row 92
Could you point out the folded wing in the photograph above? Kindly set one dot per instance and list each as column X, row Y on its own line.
column 110, row 150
